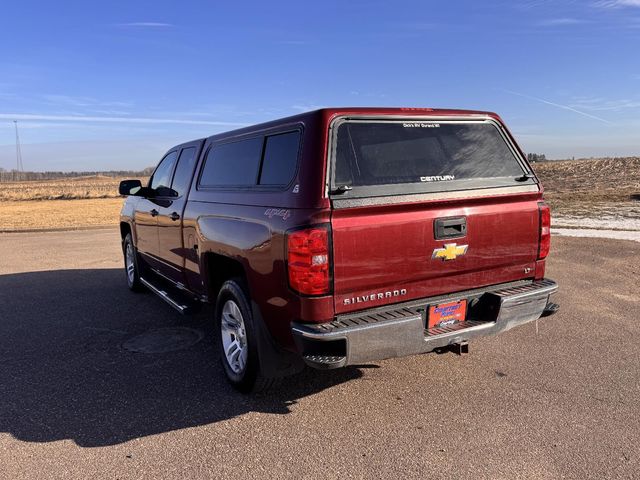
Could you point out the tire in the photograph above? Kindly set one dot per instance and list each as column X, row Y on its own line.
column 237, row 339
column 131, row 268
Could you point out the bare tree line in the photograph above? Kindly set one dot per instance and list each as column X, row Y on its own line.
column 16, row 176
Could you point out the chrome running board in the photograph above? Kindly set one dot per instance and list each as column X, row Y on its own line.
column 180, row 306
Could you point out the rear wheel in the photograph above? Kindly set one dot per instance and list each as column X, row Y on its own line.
column 131, row 264
column 237, row 339
column 233, row 334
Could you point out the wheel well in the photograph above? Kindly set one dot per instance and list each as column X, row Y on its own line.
column 124, row 229
column 219, row 270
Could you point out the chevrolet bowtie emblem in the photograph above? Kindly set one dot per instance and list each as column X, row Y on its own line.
column 450, row 251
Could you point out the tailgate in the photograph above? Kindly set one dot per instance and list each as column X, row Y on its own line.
column 385, row 254
column 428, row 207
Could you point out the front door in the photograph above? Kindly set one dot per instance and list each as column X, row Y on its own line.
column 147, row 210
column 171, row 250
column 145, row 218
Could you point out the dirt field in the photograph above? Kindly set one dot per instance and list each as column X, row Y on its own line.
column 592, row 188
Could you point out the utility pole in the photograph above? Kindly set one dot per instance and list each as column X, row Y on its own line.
column 19, row 166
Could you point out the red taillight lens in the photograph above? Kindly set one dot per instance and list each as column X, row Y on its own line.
column 545, row 231
column 308, row 261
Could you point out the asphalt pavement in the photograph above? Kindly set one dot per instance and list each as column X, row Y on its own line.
column 76, row 401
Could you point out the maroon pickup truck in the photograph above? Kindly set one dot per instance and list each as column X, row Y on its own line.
column 344, row 236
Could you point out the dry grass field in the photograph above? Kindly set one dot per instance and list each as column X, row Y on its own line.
column 59, row 214
column 61, row 189
column 590, row 188
column 79, row 202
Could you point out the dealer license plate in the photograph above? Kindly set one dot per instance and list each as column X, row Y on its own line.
column 446, row 314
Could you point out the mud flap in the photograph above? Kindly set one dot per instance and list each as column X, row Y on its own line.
column 275, row 361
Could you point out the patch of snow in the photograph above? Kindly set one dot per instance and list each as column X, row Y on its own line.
column 603, row 222
column 597, row 233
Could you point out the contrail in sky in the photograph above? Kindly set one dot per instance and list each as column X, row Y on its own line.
column 564, row 107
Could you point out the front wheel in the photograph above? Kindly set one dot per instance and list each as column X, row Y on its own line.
column 237, row 339
column 131, row 264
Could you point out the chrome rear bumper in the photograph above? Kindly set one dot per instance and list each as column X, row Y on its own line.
column 399, row 330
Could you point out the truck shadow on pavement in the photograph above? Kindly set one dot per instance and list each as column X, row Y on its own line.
column 64, row 373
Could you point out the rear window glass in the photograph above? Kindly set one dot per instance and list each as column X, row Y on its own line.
column 386, row 153
column 280, row 158
column 234, row 163
column 182, row 177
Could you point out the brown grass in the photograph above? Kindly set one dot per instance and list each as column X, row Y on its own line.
column 62, row 189
column 55, row 214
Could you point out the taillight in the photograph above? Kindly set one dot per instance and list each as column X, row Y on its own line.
column 545, row 231
column 308, row 259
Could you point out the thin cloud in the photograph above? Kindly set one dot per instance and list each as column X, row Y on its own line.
column 292, row 42
column 94, row 119
column 68, row 100
column 559, row 22
column 306, row 107
column 529, row 4
column 416, row 26
column 617, row 3
column 145, row 24
column 598, row 104
column 559, row 105
column 110, row 113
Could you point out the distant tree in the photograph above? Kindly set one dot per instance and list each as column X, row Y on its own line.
column 536, row 157
column 14, row 175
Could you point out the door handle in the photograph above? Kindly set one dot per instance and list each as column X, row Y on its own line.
column 154, row 213
column 174, row 216
column 450, row 228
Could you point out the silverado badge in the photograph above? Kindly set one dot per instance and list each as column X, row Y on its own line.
column 450, row 251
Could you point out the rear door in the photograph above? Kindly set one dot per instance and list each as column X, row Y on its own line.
column 147, row 209
column 429, row 207
column 171, row 250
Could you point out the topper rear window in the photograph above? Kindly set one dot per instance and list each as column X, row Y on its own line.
column 426, row 154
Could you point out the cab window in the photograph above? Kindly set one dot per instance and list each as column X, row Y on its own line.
column 182, row 177
column 161, row 180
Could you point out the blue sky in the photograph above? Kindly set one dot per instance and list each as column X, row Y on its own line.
column 112, row 85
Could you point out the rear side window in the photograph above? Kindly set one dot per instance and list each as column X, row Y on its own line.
column 391, row 153
column 182, row 177
column 280, row 158
column 233, row 164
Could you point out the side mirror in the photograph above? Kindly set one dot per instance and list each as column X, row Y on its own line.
column 130, row 187
column 166, row 192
